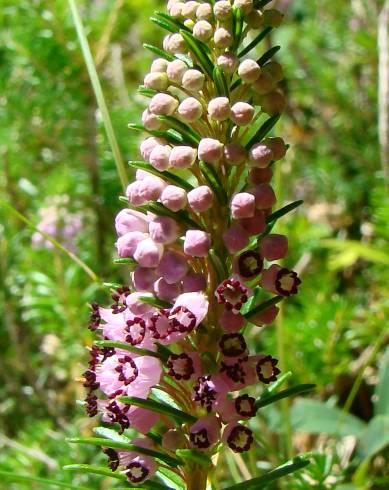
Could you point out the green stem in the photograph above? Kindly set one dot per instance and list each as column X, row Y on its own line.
column 94, row 78
column 197, row 479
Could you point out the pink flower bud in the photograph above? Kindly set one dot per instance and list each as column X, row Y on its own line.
column 275, row 70
column 174, row 439
column 260, row 155
column 228, row 62
column 163, row 230
column 266, row 317
column 159, row 65
column 193, row 80
column 272, row 17
column 219, row 108
column 242, row 205
column 222, row 10
column 264, row 196
column 260, row 175
column 200, row 199
column 205, row 433
column 172, row 267
column 136, row 306
column 190, row 109
column 202, row 30
column 156, row 81
column 182, row 156
column 175, row 9
column 222, row 38
column 231, row 322
column 254, row 225
column 242, row 113
column 193, row 282
column 264, row 84
column 254, row 19
column 234, row 154
column 134, row 193
column 175, row 44
column 235, row 238
column 245, row 6
column 163, row 104
column 126, row 244
column 148, row 145
column 249, row 71
column 189, row 9
column 148, row 253
column 165, row 291
column 204, row 12
column 159, row 157
column 128, row 220
column 273, row 103
column 277, row 146
column 210, row 150
column 274, row 247
column 143, row 279
column 174, row 198
column 197, row 243
column 150, row 121
column 175, row 70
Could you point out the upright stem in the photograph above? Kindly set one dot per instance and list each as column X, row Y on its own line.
column 197, row 479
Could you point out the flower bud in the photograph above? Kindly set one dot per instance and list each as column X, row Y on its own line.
column 159, row 157
column 193, row 282
column 242, row 113
column 174, row 198
column 205, row 433
column 235, row 238
column 260, row 175
column 150, row 121
column 148, row 253
column 165, row 291
column 193, row 80
column 190, row 109
column 182, row 156
column 156, row 81
column 231, row 322
column 227, row 62
column 234, row 154
column 130, row 220
column 264, row 84
column 260, row 155
column 204, row 12
column 249, row 71
column 219, row 108
column 173, row 267
column 175, row 44
column 274, row 247
column 197, row 243
column 134, row 194
column 163, row 230
column 175, row 71
column 148, row 145
column 272, row 18
column 264, row 196
column 126, row 244
column 174, row 439
column 200, row 199
column 163, row 104
column 274, row 69
column 222, row 38
column 254, row 225
column 175, row 9
column 254, row 19
column 143, row 279
column 242, row 205
column 159, row 65
column 273, row 103
column 277, row 146
column 151, row 188
column 189, row 10
column 222, row 10
column 245, row 6
column 210, row 150
column 202, row 30
column 266, row 317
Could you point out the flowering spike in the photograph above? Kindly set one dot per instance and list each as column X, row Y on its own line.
column 196, row 233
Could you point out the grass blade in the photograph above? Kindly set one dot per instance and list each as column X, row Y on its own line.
column 269, row 54
column 6, row 475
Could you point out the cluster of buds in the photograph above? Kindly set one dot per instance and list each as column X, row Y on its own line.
column 197, row 234
column 56, row 220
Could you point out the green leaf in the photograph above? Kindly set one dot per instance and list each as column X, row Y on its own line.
column 237, row 27
column 127, row 347
column 263, row 307
column 179, row 25
column 159, row 407
column 173, row 178
column 165, row 25
column 218, row 265
column 314, row 417
column 171, row 478
column 285, row 210
column 94, row 441
column 159, row 52
column 97, row 470
column 269, row 54
column 170, row 135
column 347, row 252
column 255, row 41
column 213, row 181
column 199, row 51
column 267, row 398
column 146, row 92
column 127, row 260
column 110, row 434
column 147, row 485
column 376, row 436
column 263, row 131
column 187, row 133
column 220, row 81
column 153, row 301
column 382, row 392
column 277, row 384
column 27, row 479
column 270, row 476
column 194, row 457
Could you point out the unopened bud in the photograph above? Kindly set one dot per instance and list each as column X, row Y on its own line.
column 210, row 150
column 193, row 80
column 163, row 104
column 249, row 71
column 190, row 109
column 175, row 71
column 159, row 65
column 272, row 17
column 222, row 10
column 260, row 155
column 222, row 38
column 189, row 9
column 219, row 108
column 202, row 30
column 242, row 113
column 156, row 81
column 234, row 154
column 228, row 62
column 273, row 103
column 175, row 44
column 204, row 12
column 244, row 5
column 182, row 156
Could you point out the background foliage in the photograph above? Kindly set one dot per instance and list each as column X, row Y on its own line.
column 52, row 143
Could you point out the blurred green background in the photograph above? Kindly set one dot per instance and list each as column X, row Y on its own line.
column 54, row 152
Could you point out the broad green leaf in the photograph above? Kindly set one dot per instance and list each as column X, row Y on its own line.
column 159, row 52
column 376, row 436
column 195, row 457
column 159, row 407
column 270, row 476
column 267, row 398
column 27, row 479
column 255, row 41
column 285, row 210
column 169, row 176
column 128, row 347
column 314, row 417
column 94, row 441
column 382, row 389
column 97, row 470
column 263, row 307
column 263, row 131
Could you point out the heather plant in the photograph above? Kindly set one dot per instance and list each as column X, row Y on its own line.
column 172, row 371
